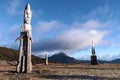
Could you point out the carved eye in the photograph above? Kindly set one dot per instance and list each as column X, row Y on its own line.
column 27, row 13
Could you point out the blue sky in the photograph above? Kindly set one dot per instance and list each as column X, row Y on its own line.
column 65, row 25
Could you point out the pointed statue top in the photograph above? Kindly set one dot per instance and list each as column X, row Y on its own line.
column 92, row 43
column 27, row 7
column 46, row 53
column 27, row 14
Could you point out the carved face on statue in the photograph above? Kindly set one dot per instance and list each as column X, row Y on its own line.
column 27, row 14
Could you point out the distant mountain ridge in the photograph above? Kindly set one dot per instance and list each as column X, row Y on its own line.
column 63, row 58
column 115, row 61
column 12, row 55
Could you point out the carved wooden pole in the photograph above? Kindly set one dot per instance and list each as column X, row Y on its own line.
column 93, row 56
column 24, row 61
column 46, row 58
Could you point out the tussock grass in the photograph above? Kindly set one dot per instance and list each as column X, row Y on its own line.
column 63, row 72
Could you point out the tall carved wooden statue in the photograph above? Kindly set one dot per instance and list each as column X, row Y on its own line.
column 93, row 56
column 24, row 61
column 46, row 58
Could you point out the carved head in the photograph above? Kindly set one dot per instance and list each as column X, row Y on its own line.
column 27, row 14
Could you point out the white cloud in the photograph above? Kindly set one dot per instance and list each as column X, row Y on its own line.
column 100, row 12
column 77, row 37
column 85, row 57
column 0, row 37
column 92, row 24
column 108, row 57
column 46, row 26
column 14, row 7
column 14, row 31
column 80, row 39
column 100, row 57
column 37, row 14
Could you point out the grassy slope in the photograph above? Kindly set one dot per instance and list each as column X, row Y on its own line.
column 12, row 55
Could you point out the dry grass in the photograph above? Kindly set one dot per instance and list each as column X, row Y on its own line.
column 62, row 72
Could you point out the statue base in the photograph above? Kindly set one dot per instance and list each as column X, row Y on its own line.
column 94, row 60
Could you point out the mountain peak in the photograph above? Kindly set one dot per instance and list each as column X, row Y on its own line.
column 62, row 58
column 61, row 54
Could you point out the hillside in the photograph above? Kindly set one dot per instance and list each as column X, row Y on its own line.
column 12, row 55
column 115, row 61
column 62, row 58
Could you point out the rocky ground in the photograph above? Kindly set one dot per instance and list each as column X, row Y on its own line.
column 61, row 72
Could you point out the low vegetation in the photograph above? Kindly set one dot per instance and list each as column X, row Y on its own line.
column 8, row 54
column 63, row 72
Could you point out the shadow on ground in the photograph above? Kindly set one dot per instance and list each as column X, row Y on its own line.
column 78, row 77
column 8, row 71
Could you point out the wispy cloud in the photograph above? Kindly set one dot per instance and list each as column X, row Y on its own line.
column 102, row 12
column 10, row 36
column 37, row 14
column 47, row 26
column 0, row 37
column 48, row 29
column 108, row 57
column 14, row 31
column 14, row 7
